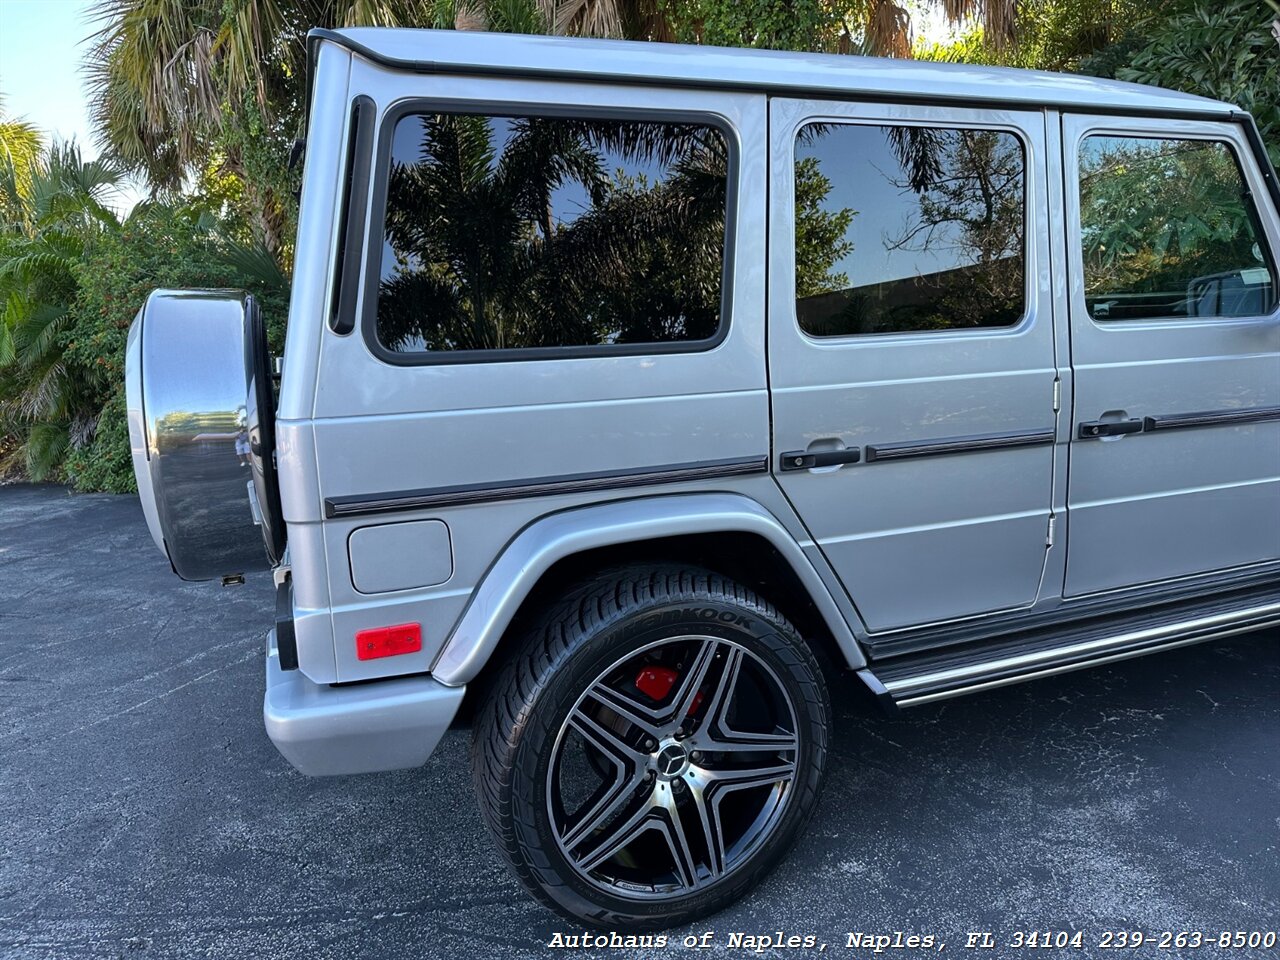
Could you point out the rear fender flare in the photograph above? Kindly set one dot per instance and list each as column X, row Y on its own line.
column 552, row 538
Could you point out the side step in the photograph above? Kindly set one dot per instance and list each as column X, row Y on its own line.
column 922, row 678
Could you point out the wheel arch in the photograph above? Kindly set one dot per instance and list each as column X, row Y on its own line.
column 721, row 526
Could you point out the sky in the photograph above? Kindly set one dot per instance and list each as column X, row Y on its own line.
column 42, row 44
column 867, row 178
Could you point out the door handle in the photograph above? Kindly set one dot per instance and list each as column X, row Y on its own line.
column 1108, row 428
column 809, row 459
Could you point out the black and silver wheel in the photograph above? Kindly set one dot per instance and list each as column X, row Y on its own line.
column 653, row 749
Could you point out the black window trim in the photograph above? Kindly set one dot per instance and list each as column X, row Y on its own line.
column 524, row 108
column 1028, row 275
column 351, row 219
column 1223, row 137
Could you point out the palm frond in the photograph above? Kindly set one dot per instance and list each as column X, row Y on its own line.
column 253, row 261
column 888, row 30
column 516, row 16
column 999, row 18
column 21, row 144
column 46, row 446
column 584, row 18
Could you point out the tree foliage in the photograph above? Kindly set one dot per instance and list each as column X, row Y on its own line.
column 1045, row 34
column 159, row 245
column 1224, row 50
column 820, row 233
column 53, row 210
column 21, row 144
column 72, row 276
column 179, row 84
column 202, row 99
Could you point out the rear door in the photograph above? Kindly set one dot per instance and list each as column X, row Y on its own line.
column 1175, row 465
column 911, row 351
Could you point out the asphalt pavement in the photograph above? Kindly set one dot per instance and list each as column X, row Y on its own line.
column 145, row 813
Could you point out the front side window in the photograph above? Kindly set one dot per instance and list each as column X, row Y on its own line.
column 903, row 229
column 1169, row 231
column 544, row 233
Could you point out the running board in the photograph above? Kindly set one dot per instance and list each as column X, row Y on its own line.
column 924, row 678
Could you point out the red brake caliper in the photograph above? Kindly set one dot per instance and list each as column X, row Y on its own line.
column 656, row 682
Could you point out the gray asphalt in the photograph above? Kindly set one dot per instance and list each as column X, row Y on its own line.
column 145, row 813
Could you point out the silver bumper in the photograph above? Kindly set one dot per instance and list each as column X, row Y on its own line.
column 363, row 728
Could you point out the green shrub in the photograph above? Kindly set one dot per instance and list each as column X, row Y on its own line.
column 1223, row 49
column 158, row 246
column 104, row 462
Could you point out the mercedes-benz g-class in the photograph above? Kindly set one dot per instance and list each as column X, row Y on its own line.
column 626, row 384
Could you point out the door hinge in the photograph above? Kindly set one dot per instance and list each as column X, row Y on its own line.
column 1057, row 395
column 1053, row 523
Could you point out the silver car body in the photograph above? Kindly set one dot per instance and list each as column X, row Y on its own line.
column 440, row 493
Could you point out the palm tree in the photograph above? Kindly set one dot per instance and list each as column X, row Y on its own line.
column 20, row 146
column 876, row 27
column 176, row 82
column 169, row 76
column 999, row 18
column 43, row 408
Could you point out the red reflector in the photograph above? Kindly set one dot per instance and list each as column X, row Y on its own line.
column 389, row 641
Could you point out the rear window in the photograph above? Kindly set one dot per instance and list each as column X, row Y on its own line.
column 1169, row 231
column 551, row 234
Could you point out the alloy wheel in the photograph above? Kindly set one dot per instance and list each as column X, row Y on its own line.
column 672, row 767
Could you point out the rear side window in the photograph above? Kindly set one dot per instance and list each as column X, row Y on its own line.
column 554, row 234
column 904, row 229
column 1169, row 231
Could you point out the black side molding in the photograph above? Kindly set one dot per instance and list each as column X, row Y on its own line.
column 1210, row 418
column 947, row 445
column 540, row 487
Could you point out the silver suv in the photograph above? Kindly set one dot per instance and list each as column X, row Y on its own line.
column 627, row 384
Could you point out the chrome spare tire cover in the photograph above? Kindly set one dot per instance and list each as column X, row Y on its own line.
column 201, row 425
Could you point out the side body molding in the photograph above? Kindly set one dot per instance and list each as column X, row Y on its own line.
column 499, row 595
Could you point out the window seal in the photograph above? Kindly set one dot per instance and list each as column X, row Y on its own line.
column 524, row 108
column 1266, row 169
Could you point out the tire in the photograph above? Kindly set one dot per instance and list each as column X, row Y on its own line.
column 713, row 754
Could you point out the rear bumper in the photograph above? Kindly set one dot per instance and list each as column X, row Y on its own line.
column 362, row 728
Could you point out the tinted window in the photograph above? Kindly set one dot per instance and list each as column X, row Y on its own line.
column 534, row 232
column 1169, row 230
column 903, row 229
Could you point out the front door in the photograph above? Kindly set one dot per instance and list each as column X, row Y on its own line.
column 911, row 351
column 1175, row 461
